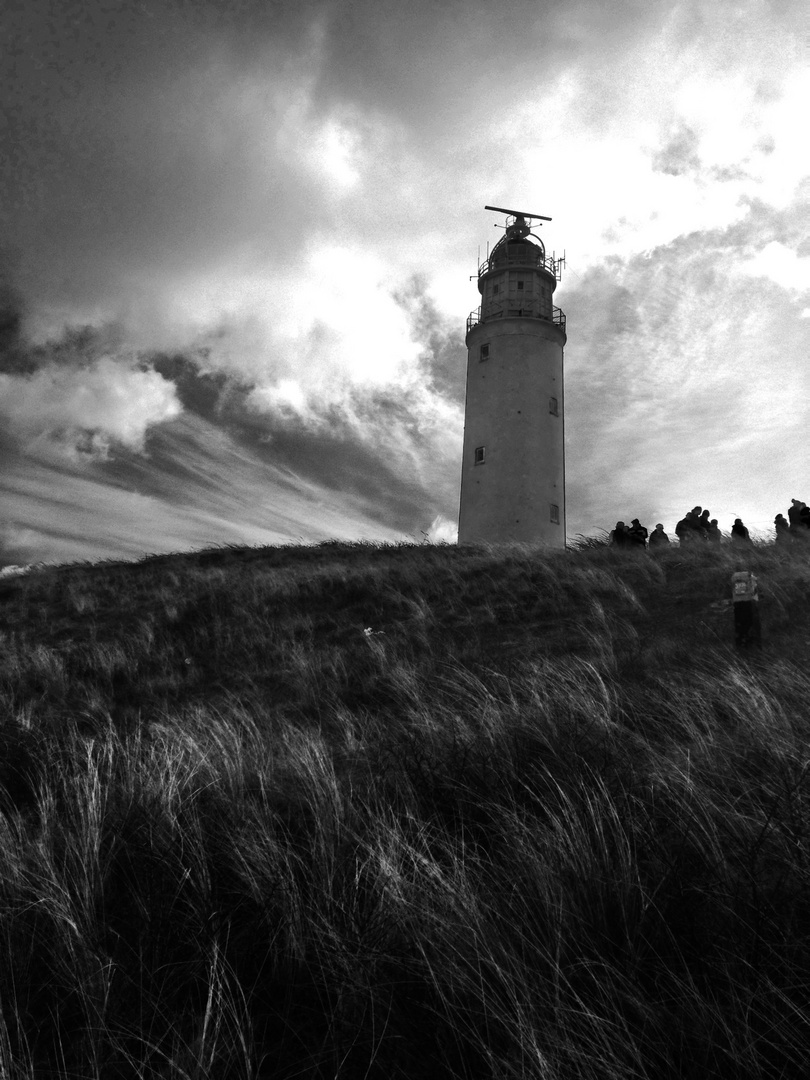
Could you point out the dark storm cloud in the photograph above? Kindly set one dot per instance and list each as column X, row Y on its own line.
column 131, row 139
column 11, row 320
column 334, row 447
column 365, row 445
column 76, row 346
column 149, row 141
column 209, row 394
column 431, row 65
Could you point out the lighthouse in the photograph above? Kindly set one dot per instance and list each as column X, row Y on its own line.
column 513, row 467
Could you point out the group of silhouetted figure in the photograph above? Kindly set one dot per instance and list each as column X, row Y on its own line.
column 696, row 528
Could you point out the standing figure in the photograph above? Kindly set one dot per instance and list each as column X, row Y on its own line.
column 658, row 538
column 682, row 530
column 794, row 515
column 782, row 530
column 695, row 519
column 714, row 535
column 739, row 533
column 691, row 523
column 745, row 596
column 619, row 537
column 638, row 534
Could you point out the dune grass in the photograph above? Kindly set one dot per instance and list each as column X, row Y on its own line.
column 405, row 811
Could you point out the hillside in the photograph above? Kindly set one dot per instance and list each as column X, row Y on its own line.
column 405, row 811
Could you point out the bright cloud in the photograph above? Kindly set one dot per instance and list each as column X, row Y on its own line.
column 335, row 152
column 88, row 408
column 781, row 264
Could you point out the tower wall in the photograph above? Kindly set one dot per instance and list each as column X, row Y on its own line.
column 508, row 496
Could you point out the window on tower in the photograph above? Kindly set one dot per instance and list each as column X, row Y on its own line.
column 553, row 408
column 483, row 352
column 555, row 513
column 480, row 455
column 520, row 285
column 495, row 290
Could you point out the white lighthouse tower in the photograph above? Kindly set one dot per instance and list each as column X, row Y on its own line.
column 513, row 469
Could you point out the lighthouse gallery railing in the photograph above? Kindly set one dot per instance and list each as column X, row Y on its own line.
column 525, row 312
column 539, row 261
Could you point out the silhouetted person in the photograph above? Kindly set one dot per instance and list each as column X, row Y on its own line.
column 696, row 523
column 782, row 529
column 692, row 530
column 799, row 516
column 683, row 530
column 703, row 523
column 739, row 533
column 658, row 538
column 745, row 596
column 714, row 536
column 794, row 515
column 638, row 534
column 619, row 537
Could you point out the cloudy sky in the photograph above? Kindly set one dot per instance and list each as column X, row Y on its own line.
column 237, row 240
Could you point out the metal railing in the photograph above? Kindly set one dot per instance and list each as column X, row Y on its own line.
column 501, row 262
column 530, row 312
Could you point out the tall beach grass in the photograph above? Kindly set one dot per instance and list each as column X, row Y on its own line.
column 405, row 811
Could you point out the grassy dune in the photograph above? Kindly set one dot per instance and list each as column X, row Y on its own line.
column 405, row 812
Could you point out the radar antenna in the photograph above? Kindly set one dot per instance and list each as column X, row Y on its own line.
column 518, row 226
column 517, row 213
